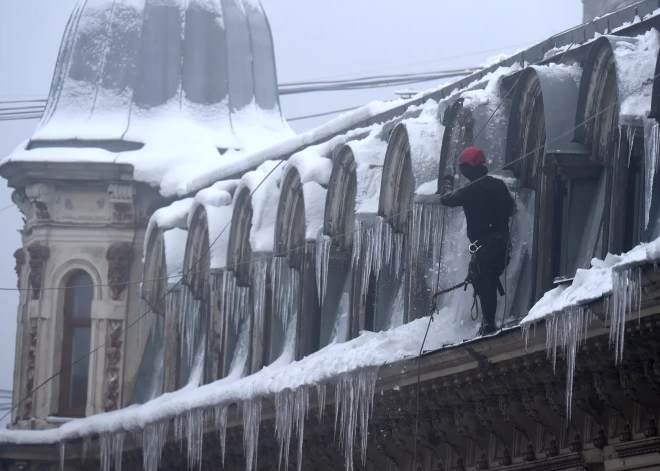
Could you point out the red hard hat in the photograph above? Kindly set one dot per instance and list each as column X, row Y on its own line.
column 472, row 156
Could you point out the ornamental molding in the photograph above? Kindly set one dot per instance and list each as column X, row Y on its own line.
column 120, row 258
column 31, row 364
column 39, row 191
column 39, row 253
column 19, row 256
column 113, row 340
column 120, row 192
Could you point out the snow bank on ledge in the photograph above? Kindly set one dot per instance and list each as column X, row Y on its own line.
column 566, row 312
column 592, row 284
column 327, row 365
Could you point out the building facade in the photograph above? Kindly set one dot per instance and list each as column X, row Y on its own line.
column 239, row 306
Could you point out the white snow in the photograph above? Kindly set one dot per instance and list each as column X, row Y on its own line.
column 635, row 62
column 369, row 155
column 239, row 164
column 327, row 365
column 217, row 202
column 175, row 248
column 592, row 284
column 264, row 186
column 428, row 188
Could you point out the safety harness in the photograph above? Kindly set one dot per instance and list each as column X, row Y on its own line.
column 471, row 279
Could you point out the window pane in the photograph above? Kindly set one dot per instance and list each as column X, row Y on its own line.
column 80, row 347
column 79, row 295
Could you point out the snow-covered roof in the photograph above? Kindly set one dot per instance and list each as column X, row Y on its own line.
column 168, row 87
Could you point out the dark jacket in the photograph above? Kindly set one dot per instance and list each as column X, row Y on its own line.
column 486, row 203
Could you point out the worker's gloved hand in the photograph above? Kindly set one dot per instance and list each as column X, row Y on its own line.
column 473, row 274
column 447, row 184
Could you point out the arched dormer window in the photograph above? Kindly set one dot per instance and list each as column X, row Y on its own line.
column 76, row 343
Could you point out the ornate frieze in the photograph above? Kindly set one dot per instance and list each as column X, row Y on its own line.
column 31, row 363
column 121, row 199
column 19, row 256
column 113, row 343
column 41, row 195
column 39, row 253
column 120, row 258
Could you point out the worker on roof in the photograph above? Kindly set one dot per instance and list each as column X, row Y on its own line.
column 488, row 206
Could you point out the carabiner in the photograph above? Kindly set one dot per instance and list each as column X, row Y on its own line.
column 473, row 248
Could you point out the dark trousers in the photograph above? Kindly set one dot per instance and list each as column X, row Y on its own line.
column 491, row 258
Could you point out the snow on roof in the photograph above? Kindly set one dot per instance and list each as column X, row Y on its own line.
column 369, row 155
column 217, row 201
column 425, row 138
column 172, row 220
column 219, row 219
column 175, row 247
column 167, row 100
column 591, row 284
column 635, row 61
column 212, row 64
column 370, row 349
column 237, row 164
column 264, row 202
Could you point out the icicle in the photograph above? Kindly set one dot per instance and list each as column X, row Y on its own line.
column 626, row 295
column 112, row 447
column 251, row 422
column 220, row 416
column 567, row 330
column 286, row 284
column 153, row 441
column 260, row 270
column 323, row 246
column 283, row 423
column 235, row 300
column 62, row 454
column 86, row 442
column 320, row 394
column 178, row 429
column 290, row 410
column 372, row 245
column 194, row 434
column 651, row 154
column 353, row 404
column 630, row 137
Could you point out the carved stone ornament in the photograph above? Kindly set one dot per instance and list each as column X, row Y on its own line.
column 120, row 258
column 31, row 361
column 40, row 194
column 113, row 343
column 19, row 255
column 39, row 253
column 119, row 192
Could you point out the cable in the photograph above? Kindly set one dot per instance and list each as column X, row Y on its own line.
column 317, row 115
column 364, row 227
column 442, row 59
column 162, row 298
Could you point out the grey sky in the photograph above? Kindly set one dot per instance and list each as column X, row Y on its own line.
column 313, row 39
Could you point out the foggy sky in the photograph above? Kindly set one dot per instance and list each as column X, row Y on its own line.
column 313, row 40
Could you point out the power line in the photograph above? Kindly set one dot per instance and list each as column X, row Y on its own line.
column 326, row 113
column 28, row 109
column 431, row 61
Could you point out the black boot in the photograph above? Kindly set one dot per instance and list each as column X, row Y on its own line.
column 486, row 329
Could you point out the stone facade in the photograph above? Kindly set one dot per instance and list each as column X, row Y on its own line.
column 91, row 219
column 597, row 8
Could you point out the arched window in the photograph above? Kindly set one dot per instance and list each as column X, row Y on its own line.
column 76, row 342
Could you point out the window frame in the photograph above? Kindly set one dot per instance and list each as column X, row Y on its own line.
column 69, row 324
